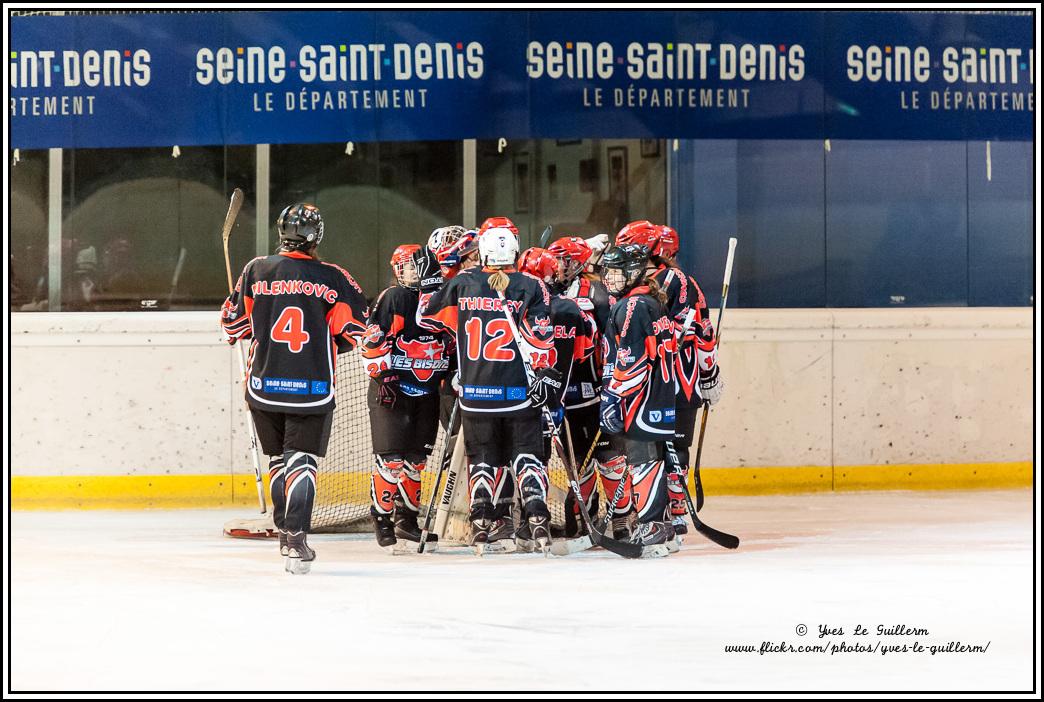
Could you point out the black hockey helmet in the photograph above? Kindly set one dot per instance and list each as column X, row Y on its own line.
column 300, row 226
column 624, row 266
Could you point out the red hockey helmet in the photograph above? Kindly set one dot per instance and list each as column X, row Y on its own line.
column 540, row 263
column 403, row 266
column 643, row 232
column 667, row 246
column 495, row 222
column 574, row 253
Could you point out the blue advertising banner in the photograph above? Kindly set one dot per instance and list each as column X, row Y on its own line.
column 321, row 76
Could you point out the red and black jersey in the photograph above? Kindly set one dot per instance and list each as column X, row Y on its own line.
column 639, row 344
column 586, row 379
column 394, row 341
column 300, row 312
column 492, row 379
column 574, row 340
column 684, row 297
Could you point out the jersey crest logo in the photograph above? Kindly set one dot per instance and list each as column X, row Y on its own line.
column 428, row 351
column 255, row 382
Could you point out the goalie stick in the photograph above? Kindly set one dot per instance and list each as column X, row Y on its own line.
column 443, row 461
column 234, row 206
column 627, row 550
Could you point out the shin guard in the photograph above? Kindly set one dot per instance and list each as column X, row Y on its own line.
column 410, row 484
column 384, row 483
column 277, row 486
column 531, row 474
column 649, row 487
column 481, row 481
column 300, row 470
column 612, row 472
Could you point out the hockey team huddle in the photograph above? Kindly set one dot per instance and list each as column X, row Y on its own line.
column 594, row 352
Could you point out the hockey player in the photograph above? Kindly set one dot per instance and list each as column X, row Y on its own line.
column 299, row 312
column 639, row 385
column 500, row 409
column 583, row 390
column 407, row 365
column 574, row 338
column 495, row 222
column 696, row 366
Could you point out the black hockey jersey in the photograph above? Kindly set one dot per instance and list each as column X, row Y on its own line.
column 300, row 312
column 586, row 379
column 574, row 338
column 639, row 347
column 492, row 379
column 394, row 341
column 685, row 298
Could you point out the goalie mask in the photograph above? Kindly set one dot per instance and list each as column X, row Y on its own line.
column 443, row 242
column 623, row 267
column 498, row 247
column 403, row 266
column 300, row 227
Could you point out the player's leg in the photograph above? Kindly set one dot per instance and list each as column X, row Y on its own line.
column 423, row 427
column 306, row 437
column 389, row 430
column 684, row 430
column 649, row 491
column 269, row 427
column 485, row 452
column 524, row 432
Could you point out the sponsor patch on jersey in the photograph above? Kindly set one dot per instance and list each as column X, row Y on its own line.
column 291, row 386
column 587, row 390
column 516, row 393
column 483, row 392
column 413, row 390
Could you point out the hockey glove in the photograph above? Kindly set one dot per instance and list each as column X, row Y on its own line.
column 611, row 412
column 387, row 388
column 711, row 386
column 428, row 269
column 546, row 384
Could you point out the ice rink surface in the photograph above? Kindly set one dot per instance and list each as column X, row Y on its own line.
column 161, row 601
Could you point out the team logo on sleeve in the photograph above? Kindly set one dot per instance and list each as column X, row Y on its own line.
column 424, row 358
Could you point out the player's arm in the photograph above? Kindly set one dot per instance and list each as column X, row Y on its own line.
column 437, row 310
column 536, row 329
column 235, row 311
column 706, row 341
column 386, row 323
column 347, row 317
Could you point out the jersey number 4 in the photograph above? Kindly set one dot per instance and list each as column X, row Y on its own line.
column 289, row 329
column 490, row 341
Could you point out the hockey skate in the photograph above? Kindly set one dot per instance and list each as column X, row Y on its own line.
column 480, row 534
column 652, row 537
column 622, row 526
column 540, row 532
column 407, row 530
column 501, row 536
column 384, row 530
column 299, row 555
column 673, row 540
column 284, row 547
column 524, row 538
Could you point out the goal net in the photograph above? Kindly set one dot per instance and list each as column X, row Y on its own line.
column 342, row 502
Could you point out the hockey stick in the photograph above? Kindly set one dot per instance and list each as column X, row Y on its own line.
column 706, row 405
column 718, row 537
column 226, row 231
column 627, row 550
column 545, row 237
column 438, row 477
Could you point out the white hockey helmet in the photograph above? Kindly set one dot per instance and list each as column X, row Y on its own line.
column 498, row 247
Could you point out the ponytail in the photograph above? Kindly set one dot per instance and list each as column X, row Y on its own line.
column 498, row 280
column 656, row 291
